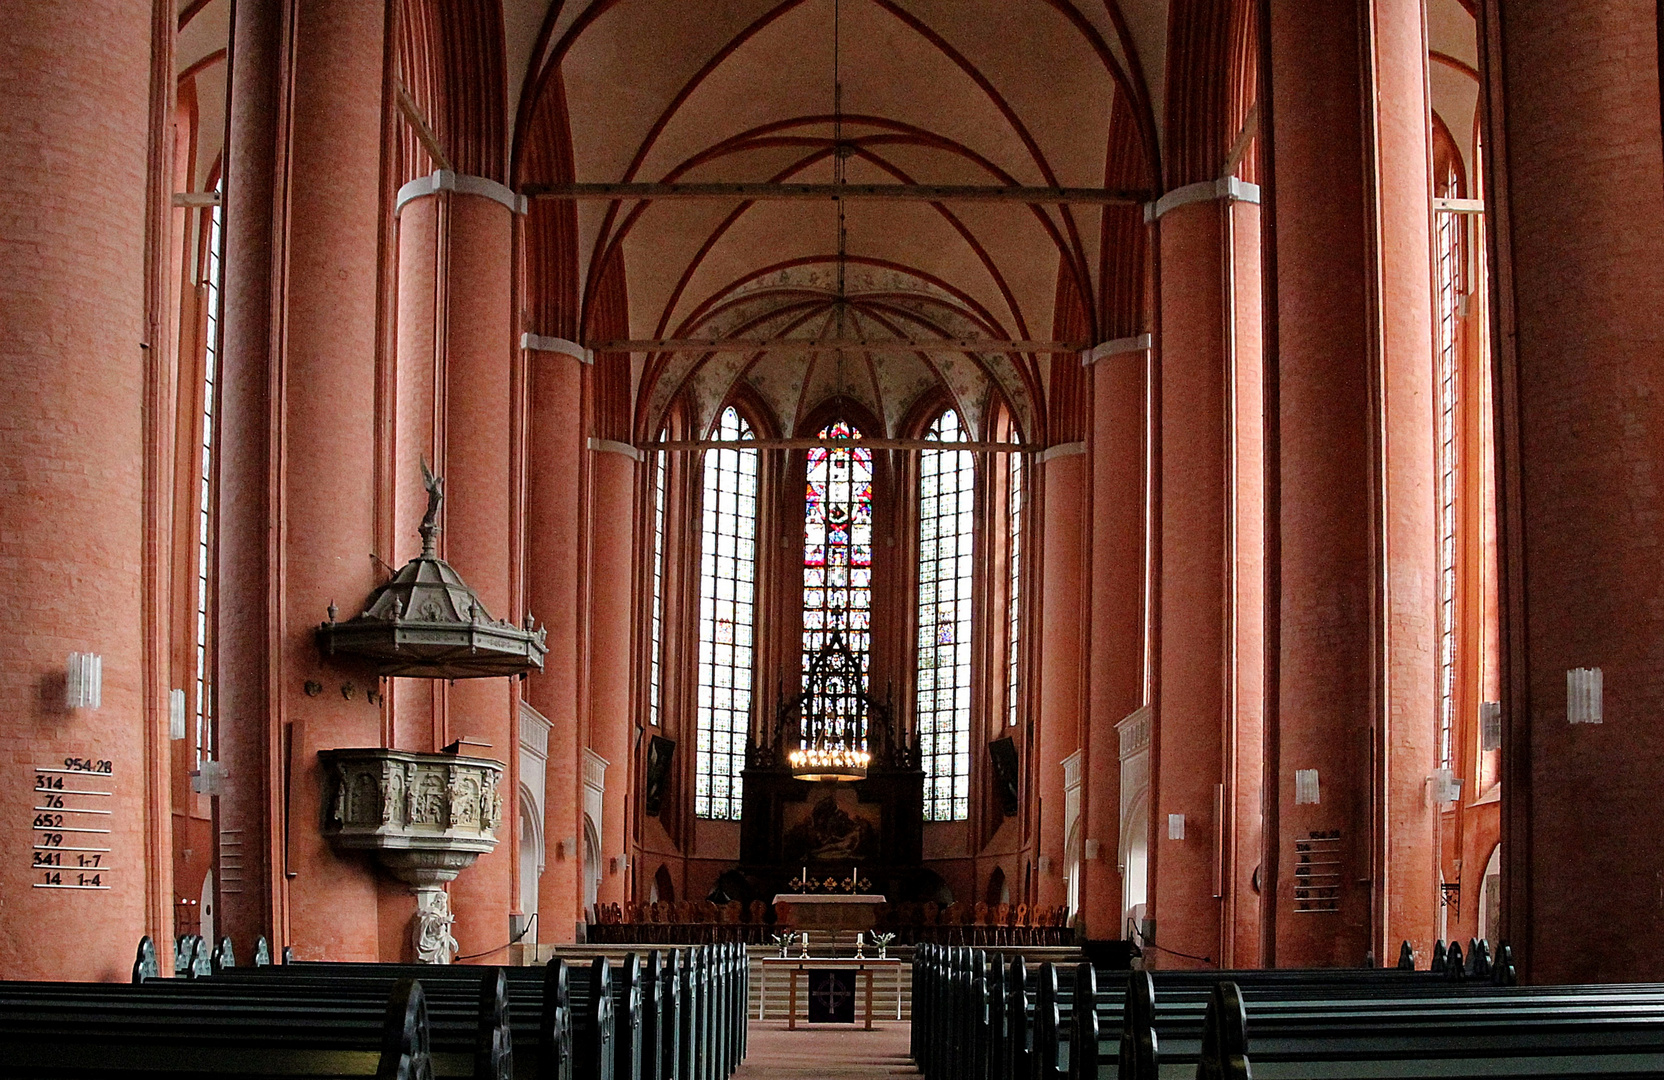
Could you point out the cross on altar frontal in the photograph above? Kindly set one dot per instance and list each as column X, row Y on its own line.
column 831, row 986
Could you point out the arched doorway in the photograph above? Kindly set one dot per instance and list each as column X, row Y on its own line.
column 592, row 865
column 1490, row 898
column 1072, row 868
column 1135, row 863
column 206, row 909
column 664, row 889
column 531, row 851
column 998, row 891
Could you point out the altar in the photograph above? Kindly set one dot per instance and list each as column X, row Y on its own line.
column 828, row 911
column 797, row 968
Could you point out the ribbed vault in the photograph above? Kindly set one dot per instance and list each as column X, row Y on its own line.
column 973, row 92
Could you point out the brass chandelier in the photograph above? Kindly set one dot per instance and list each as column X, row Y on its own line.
column 833, row 729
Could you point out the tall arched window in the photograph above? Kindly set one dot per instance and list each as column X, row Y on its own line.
column 727, row 590
column 655, row 622
column 203, row 741
column 837, row 546
column 1450, row 273
column 947, row 481
column 1014, row 592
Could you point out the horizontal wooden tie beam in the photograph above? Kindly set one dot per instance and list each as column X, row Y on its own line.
column 807, row 345
column 1012, row 193
column 674, row 445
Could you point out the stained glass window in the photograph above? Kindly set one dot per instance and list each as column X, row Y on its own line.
column 727, row 589
column 837, row 546
column 203, row 741
column 655, row 658
column 1014, row 594
column 947, row 480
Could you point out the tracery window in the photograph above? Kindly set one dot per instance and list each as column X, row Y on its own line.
column 947, row 481
column 203, row 736
column 655, row 619
column 837, row 546
column 1449, row 245
column 1014, row 591
column 727, row 592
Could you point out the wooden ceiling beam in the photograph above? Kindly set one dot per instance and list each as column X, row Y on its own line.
column 685, row 445
column 833, row 192
column 808, row 345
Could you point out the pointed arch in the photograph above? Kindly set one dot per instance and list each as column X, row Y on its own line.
column 942, row 688
column 727, row 618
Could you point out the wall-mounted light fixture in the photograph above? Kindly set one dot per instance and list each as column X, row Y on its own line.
column 84, row 682
column 1583, row 695
column 176, row 714
column 1446, row 786
column 1490, row 725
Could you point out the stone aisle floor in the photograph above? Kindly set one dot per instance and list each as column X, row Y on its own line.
column 832, row 1051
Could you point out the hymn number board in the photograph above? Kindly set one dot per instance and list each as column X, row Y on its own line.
column 72, row 818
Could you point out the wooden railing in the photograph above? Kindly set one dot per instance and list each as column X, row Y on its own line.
column 704, row 922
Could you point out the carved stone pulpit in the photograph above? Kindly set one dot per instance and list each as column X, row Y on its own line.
column 426, row 817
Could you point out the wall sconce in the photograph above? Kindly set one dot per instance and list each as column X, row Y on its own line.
column 1446, row 786
column 1583, row 695
column 1490, row 725
column 176, row 714
column 84, row 682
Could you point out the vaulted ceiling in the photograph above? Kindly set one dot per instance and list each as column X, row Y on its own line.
column 964, row 92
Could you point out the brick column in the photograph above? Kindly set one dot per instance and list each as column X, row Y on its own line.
column 607, row 646
column 1576, row 197
column 455, row 242
column 299, row 442
column 553, row 531
column 1116, row 663
column 1357, row 696
column 74, row 137
column 1195, row 491
column 1062, row 634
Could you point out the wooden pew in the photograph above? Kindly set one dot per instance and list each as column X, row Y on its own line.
column 687, row 1022
column 550, row 1009
column 113, row 1032
column 1062, row 1023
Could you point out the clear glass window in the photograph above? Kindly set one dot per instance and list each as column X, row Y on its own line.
column 727, row 587
column 947, row 483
